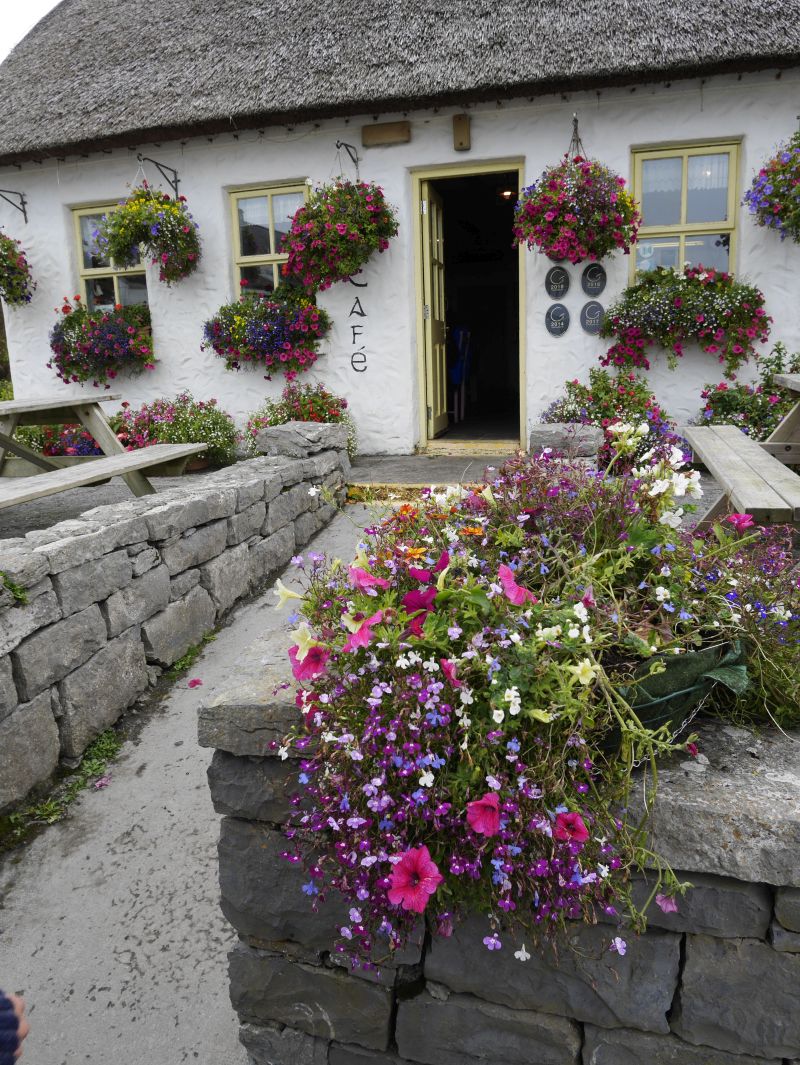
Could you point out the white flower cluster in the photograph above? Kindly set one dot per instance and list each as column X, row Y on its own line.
column 670, row 480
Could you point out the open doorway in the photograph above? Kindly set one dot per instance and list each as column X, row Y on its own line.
column 471, row 307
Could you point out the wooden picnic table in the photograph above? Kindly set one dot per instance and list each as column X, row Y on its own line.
column 754, row 477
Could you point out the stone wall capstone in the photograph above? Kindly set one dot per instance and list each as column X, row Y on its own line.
column 116, row 595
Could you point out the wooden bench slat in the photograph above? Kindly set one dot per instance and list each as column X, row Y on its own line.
column 745, row 487
column 781, row 479
column 24, row 489
column 25, row 406
column 788, row 380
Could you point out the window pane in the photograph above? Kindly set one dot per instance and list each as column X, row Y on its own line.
column 132, row 289
column 660, row 251
column 283, row 209
column 708, row 249
column 89, row 224
column 661, row 191
column 258, row 278
column 254, row 226
column 707, row 191
column 100, row 293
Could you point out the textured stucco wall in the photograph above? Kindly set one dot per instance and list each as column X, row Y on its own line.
column 385, row 397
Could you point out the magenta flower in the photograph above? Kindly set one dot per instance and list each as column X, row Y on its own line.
column 414, row 879
column 364, row 636
column 195, row 682
column 425, row 576
column 313, row 665
column 666, row 903
column 514, row 592
column 419, row 600
column 740, row 522
column 363, row 579
column 449, row 670
column 483, row 815
column 570, row 828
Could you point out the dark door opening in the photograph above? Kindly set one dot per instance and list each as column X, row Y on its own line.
column 481, row 281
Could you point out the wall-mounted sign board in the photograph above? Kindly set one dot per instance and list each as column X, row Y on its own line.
column 557, row 282
column 593, row 279
column 592, row 317
column 556, row 319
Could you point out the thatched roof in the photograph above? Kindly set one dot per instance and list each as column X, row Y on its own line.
column 102, row 73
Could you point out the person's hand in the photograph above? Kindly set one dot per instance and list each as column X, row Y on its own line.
column 24, row 1027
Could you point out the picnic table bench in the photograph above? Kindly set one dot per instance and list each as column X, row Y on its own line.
column 54, row 478
column 754, row 477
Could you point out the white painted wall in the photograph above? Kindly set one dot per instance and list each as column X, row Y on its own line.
column 384, row 397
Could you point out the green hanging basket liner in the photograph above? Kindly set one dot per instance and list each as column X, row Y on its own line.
column 667, row 698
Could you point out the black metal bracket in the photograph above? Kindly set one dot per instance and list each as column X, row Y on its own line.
column 164, row 171
column 352, row 152
column 21, row 206
column 576, row 144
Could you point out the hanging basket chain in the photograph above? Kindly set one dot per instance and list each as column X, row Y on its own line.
column 576, row 144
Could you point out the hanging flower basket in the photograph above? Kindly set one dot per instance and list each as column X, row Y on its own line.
column 159, row 224
column 279, row 332
column 577, row 210
column 337, row 232
column 774, row 196
column 671, row 308
column 98, row 346
column 16, row 283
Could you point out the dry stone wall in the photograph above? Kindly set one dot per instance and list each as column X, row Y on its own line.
column 112, row 598
column 715, row 984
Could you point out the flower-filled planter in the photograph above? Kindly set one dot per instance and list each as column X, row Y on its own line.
column 182, row 420
column 16, row 283
column 159, row 224
column 577, row 210
column 774, row 196
column 303, row 403
column 278, row 332
column 671, row 308
column 337, row 232
column 462, row 679
column 98, row 346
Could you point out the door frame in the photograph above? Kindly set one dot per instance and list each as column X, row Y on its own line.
column 452, row 170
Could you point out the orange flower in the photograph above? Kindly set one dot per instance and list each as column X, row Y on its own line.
column 472, row 530
column 415, row 552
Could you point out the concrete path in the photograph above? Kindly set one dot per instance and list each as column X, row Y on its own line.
column 109, row 922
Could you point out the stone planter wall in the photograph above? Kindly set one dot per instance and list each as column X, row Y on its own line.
column 117, row 595
column 716, row 984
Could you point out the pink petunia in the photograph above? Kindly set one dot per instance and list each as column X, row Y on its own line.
column 514, row 592
column 666, row 903
column 483, row 815
column 424, row 576
column 449, row 670
column 364, row 636
column 363, row 579
column 740, row 522
column 312, row 665
column 570, row 828
column 419, row 600
column 443, row 563
column 414, row 879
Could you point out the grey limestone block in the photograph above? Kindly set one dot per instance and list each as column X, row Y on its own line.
column 92, row 581
column 269, row 1045
column 299, row 439
column 462, row 1029
column 226, row 578
column 283, row 509
column 191, row 549
column 146, row 559
column 261, row 893
column 713, row 905
column 587, row 981
column 85, row 542
column 575, row 440
column 350, row 1055
column 254, row 788
column 189, row 509
column 246, row 522
column 250, row 490
column 22, row 565
column 739, row 817
column 29, row 749
column 8, row 690
column 783, row 940
column 183, row 583
column 271, row 555
column 171, row 633
column 319, row 465
column 325, row 1003
column 620, row 1046
column 22, row 619
column 141, row 599
column 739, row 995
column 94, row 696
column 787, row 908
column 255, row 711
column 46, row 656
column 309, row 524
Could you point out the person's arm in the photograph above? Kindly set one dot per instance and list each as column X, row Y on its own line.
column 13, row 1028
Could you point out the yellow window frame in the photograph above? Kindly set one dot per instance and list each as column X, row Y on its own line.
column 681, row 230
column 87, row 273
column 275, row 259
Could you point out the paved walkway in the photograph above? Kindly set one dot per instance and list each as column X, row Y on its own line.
column 109, row 922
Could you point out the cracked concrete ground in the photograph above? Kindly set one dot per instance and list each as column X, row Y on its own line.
column 109, row 922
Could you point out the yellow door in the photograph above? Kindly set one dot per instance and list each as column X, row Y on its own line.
column 433, row 310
